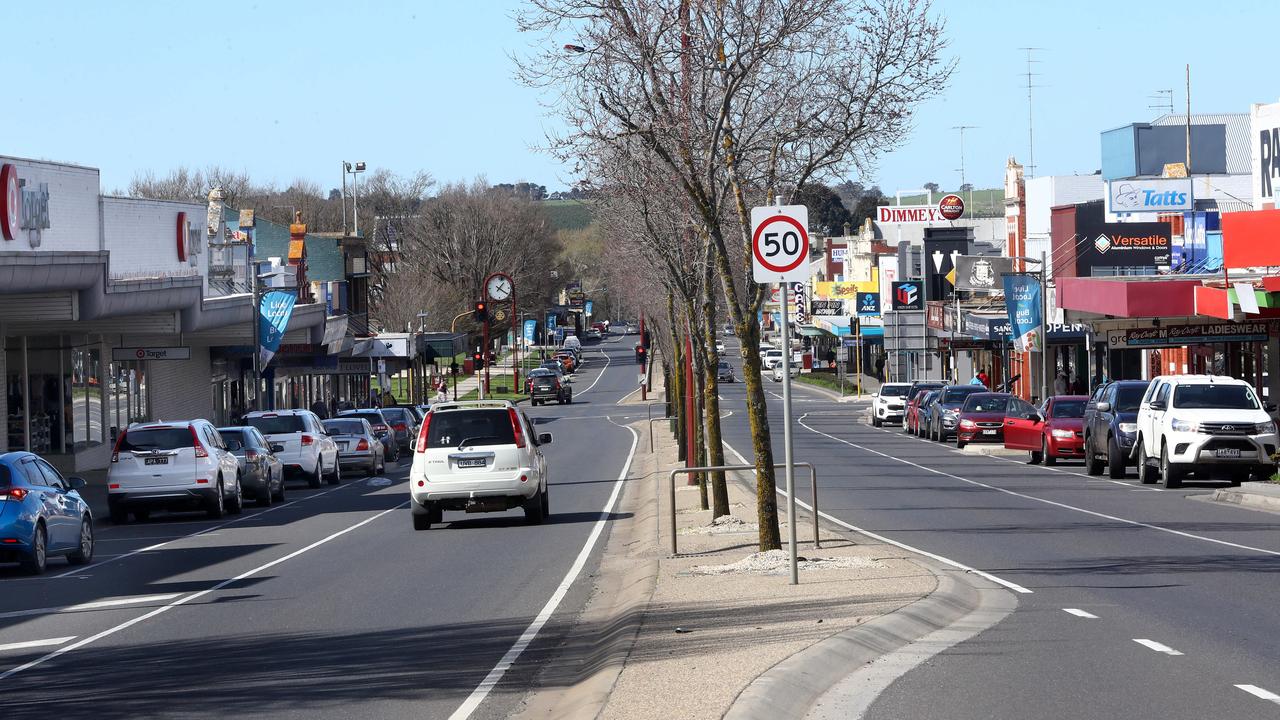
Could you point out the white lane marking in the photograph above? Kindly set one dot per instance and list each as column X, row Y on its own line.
column 624, row 397
column 95, row 605
column 1158, row 647
column 82, row 572
column 490, row 680
column 1080, row 613
column 194, row 596
column 944, row 560
column 36, row 643
column 607, row 360
column 1256, row 691
column 1064, row 506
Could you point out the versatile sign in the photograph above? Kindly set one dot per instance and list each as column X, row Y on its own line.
column 126, row 354
column 798, row 298
column 273, row 319
column 826, row 308
column 868, row 304
column 1264, row 140
column 1197, row 334
column 907, row 295
column 1022, row 301
column 1155, row 195
column 780, row 243
column 1118, row 245
column 981, row 273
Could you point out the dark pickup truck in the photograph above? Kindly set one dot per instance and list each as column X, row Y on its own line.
column 1110, row 426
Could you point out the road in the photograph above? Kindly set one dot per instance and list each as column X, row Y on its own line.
column 1132, row 601
column 329, row 605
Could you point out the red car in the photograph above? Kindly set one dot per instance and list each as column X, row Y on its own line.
column 911, row 416
column 1054, row 430
column 982, row 418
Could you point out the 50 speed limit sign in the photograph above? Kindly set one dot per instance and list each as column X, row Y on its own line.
column 780, row 243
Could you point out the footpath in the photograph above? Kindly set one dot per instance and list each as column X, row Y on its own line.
column 718, row 630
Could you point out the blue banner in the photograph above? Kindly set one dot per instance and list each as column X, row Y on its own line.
column 868, row 304
column 588, row 307
column 273, row 318
column 530, row 329
column 1022, row 300
column 551, row 322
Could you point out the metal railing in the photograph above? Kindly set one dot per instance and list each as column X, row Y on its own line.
column 813, row 484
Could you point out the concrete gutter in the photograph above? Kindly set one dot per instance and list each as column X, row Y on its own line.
column 1254, row 495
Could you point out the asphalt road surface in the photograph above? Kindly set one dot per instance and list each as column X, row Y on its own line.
column 1132, row 601
column 329, row 605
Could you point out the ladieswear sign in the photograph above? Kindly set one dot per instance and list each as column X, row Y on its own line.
column 22, row 207
column 1264, row 134
column 1150, row 196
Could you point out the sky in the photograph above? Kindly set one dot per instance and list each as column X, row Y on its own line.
column 286, row 90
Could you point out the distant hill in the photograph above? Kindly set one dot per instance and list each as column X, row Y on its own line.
column 569, row 214
column 978, row 203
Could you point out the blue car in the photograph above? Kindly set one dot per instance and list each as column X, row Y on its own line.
column 1111, row 426
column 41, row 514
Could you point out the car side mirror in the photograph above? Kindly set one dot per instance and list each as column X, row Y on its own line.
column 875, row 395
column 277, row 448
column 76, row 483
column 1158, row 405
column 544, row 438
column 1104, row 406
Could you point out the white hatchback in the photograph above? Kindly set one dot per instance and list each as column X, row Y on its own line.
column 172, row 466
column 303, row 445
column 477, row 456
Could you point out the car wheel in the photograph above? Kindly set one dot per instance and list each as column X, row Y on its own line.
column 875, row 421
column 1049, row 459
column 960, row 443
column 1036, row 457
column 569, row 400
column 421, row 522
column 546, row 502
column 280, row 492
column 236, row 506
column 559, row 401
column 1171, row 472
column 217, row 506
column 1262, row 473
column 265, row 497
column 1115, row 459
column 1147, row 474
column 84, row 552
column 317, row 477
column 1236, row 476
column 533, row 510
column 36, row 562
column 1092, row 465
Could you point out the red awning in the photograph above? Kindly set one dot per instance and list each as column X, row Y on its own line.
column 1128, row 297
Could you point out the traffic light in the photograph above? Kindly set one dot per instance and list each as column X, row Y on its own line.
column 482, row 311
column 640, row 354
column 477, row 358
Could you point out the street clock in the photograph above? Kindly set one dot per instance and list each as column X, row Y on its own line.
column 499, row 287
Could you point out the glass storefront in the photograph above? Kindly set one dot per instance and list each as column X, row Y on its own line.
column 56, row 394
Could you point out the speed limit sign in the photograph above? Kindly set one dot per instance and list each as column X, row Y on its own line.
column 780, row 243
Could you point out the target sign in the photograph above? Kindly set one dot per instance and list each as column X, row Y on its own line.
column 780, row 243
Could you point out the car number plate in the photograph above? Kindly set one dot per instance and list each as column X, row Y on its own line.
column 155, row 461
column 1228, row 452
column 988, row 432
column 471, row 462
column 344, row 446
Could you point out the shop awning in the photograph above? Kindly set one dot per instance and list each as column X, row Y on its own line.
column 810, row 331
column 1129, row 297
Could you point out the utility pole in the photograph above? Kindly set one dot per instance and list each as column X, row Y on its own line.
column 1189, row 122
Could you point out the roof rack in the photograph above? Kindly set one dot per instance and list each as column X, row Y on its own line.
column 462, row 404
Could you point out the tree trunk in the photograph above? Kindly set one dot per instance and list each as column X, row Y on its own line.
column 697, row 385
column 711, row 395
column 675, row 391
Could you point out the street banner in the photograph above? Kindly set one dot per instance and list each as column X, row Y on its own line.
column 799, row 297
column 551, row 322
column 1022, row 298
column 273, row 318
column 530, row 331
column 981, row 273
column 587, row 308
column 844, row 290
column 827, row 307
column 868, row 304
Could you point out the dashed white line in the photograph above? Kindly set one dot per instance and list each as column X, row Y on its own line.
column 1080, row 613
column 1258, row 692
column 95, row 605
column 1158, row 647
column 36, row 643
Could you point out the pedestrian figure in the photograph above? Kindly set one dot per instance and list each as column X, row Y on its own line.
column 983, row 378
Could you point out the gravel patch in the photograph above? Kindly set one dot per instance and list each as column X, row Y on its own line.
column 778, row 562
column 723, row 525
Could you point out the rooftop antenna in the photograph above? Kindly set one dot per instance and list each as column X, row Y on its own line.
column 962, row 128
column 1031, row 136
column 1164, row 101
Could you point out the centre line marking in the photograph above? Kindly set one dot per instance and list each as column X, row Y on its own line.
column 1080, row 613
column 36, row 643
column 1256, row 691
column 1158, row 647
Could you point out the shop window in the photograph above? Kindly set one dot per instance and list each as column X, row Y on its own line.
column 126, row 393
column 85, row 404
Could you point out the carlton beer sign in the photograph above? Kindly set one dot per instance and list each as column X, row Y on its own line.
column 950, row 207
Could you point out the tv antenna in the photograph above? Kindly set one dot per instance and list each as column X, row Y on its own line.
column 1031, row 135
column 1164, row 101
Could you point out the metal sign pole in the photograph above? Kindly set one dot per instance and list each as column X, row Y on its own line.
column 788, row 460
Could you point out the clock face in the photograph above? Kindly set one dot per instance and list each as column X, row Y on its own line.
column 499, row 287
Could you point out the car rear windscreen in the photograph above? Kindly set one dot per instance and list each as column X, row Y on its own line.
column 157, row 439
column 452, row 428
column 374, row 418
column 1068, row 408
column 278, row 425
column 1224, row 397
column 894, row 390
column 957, row 395
column 396, row 415
column 344, row 427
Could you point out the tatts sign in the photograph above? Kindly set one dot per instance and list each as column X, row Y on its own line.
column 1264, row 138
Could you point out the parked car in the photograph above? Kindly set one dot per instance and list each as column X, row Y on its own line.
column 403, row 426
column 888, row 404
column 172, row 466
column 593, row 334
column 41, row 514
column 1202, row 423
column 381, row 430
column 305, row 448
column 567, row 361
column 552, row 365
column 478, row 456
column 724, row 372
column 728, row 329
column 772, row 358
column 920, row 417
column 1111, row 426
column 547, row 385
column 765, row 347
column 358, row 445
column 944, row 413
column 1053, row 430
column 261, row 472
column 915, row 397
column 777, row 371
column 981, row 418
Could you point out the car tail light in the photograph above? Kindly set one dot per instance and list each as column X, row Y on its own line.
column 115, row 451
column 113, row 486
column 15, row 493
column 363, row 445
column 379, row 428
column 202, row 481
column 199, row 446
column 400, row 427
column 10, row 541
column 422, row 433
column 250, row 454
column 515, row 427
column 557, row 385
column 307, row 440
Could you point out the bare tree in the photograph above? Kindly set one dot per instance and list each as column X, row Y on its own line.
column 740, row 101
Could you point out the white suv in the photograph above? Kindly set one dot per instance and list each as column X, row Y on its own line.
column 304, row 446
column 172, row 466
column 1201, row 423
column 478, row 456
column 889, row 404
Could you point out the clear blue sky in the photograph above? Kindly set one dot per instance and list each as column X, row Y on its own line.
column 289, row 89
